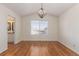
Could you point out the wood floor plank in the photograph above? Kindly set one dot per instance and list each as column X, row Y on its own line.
column 38, row 48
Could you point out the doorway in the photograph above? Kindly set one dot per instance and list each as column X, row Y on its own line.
column 11, row 29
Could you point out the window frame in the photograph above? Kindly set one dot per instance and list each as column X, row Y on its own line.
column 39, row 21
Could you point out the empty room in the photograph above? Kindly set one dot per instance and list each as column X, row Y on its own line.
column 39, row 29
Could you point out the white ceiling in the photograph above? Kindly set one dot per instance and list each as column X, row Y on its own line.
column 28, row 8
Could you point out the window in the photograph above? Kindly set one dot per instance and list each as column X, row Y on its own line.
column 39, row 27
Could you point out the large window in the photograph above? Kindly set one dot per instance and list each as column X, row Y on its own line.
column 39, row 27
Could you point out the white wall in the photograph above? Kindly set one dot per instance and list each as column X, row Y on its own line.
column 4, row 12
column 52, row 28
column 69, row 28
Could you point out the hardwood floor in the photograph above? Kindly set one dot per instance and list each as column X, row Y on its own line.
column 38, row 49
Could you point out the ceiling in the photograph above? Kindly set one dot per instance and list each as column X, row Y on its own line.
column 23, row 9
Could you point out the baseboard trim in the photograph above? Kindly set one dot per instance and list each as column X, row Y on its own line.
column 39, row 40
column 3, row 50
column 69, row 47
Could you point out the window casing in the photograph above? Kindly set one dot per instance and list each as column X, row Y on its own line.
column 39, row 27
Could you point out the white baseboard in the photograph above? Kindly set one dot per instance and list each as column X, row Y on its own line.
column 3, row 50
column 39, row 40
column 69, row 47
column 17, row 42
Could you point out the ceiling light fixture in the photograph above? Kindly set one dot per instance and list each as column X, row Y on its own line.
column 41, row 12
